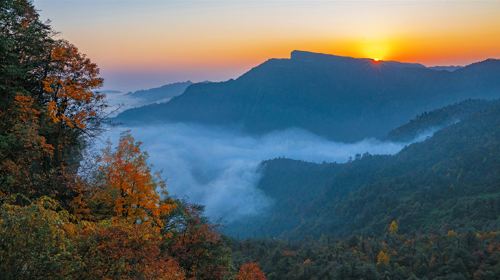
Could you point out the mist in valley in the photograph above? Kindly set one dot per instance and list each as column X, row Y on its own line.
column 219, row 168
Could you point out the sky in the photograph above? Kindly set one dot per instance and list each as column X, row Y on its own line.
column 146, row 43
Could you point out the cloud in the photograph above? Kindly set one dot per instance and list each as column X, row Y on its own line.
column 219, row 168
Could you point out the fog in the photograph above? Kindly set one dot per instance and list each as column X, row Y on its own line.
column 118, row 102
column 219, row 168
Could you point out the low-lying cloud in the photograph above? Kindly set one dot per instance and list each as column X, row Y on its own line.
column 219, row 168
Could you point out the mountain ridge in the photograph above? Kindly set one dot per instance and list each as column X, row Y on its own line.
column 341, row 98
column 447, row 182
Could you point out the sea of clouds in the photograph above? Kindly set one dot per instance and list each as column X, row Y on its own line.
column 218, row 168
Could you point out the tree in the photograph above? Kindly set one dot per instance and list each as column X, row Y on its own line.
column 393, row 227
column 22, row 150
column 129, row 184
column 24, row 41
column 125, row 251
column 250, row 271
column 36, row 241
column 196, row 245
column 73, row 108
column 24, row 45
column 383, row 257
column 46, row 99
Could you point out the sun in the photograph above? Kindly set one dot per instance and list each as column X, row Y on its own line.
column 375, row 50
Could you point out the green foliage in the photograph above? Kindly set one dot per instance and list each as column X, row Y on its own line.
column 437, row 119
column 58, row 223
column 447, row 181
column 465, row 256
column 24, row 49
column 35, row 242
column 200, row 250
column 434, row 207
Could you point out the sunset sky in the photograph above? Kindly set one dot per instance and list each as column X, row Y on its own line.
column 141, row 44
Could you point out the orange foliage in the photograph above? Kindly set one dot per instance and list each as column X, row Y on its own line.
column 132, row 187
column 197, row 247
column 126, row 251
column 68, row 87
column 383, row 258
column 250, row 271
column 21, row 121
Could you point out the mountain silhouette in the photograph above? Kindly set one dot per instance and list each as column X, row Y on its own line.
column 163, row 93
column 340, row 98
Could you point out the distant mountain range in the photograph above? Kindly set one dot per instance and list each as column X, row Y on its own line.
column 447, row 182
column 161, row 94
column 341, row 98
column 446, row 68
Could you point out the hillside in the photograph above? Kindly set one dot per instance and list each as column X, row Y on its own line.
column 449, row 181
column 431, row 121
column 161, row 94
column 340, row 98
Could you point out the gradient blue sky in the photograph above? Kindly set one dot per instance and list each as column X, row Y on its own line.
column 146, row 43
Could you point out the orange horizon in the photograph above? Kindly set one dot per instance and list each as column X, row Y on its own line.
column 217, row 40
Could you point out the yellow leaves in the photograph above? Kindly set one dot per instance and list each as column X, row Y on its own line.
column 52, row 111
column 128, row 177
column 25, row 110
column 50, row 84
column 70, row 229
column 58, row 53
column 36, row 236
column 393, row 227
column 451, row 233
column 383, row 258
column 69, row 85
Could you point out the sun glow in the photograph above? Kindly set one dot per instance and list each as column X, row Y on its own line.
column 375, row 50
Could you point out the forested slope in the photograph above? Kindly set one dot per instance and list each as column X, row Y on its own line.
column 449, row 181
column 110, row 219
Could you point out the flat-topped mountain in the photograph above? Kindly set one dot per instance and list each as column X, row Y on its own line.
column 341, row 98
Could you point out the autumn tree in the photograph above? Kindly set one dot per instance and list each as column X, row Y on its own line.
column 250, row 271
column 383, row 258
column 200, row 250
column 73, row 108
column 393, row 227
column 36, row 241
column 22, row 173
column 125, row 251
column 119, row 224
column 129, row 186
column 47, row 97
column 24, row 41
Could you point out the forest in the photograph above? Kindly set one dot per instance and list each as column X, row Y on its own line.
column 432, row 211
column 112, row 219
column 447, row 182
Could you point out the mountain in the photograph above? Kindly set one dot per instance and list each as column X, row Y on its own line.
column 428, row 122
column 341, row 98
column 447, row 182
column 446, row 68
column 161, row 94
